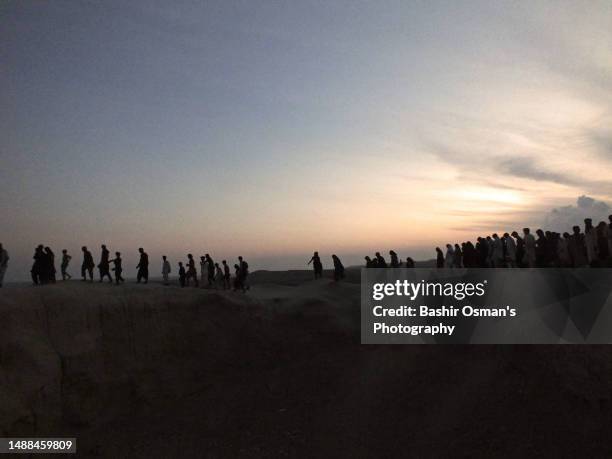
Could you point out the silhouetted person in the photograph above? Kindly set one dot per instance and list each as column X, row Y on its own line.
column 192, row 273
column 338, row 268
column 482, row 248
column 38, row 266
column 409, row 263
column 520, row 248
column 497, row 257
column 510, row 251
column 380, row 261
column 49, row 265
column 530, row 248
column 577, row 249
column 602, row 243
column 316, row 265
column 226, row 275
column 244, row 273
column 590, row 241
column 439, row 258
column 395, row 263
column 142, row 267
column 369, row 262
column 449, row 259
column 166, row 269
column 4, row 259
column 218, row 276
column 64, row 266
column 563, row 251
column 203, row 271
column 88, row 264
column 238, row 279
column 182, row 274
column 541, row 249
column 210, row 265
column 457, row 257
column 117, row 268
column 104, row 265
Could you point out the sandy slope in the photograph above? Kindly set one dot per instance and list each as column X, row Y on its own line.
column 148, row 371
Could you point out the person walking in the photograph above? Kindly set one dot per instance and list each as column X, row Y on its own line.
column 439, row 258
column 316, row 265
column 104, row 265
column 530, row 248
column 165, row 269
column 182, row 274
column 338, row 268
column 88, row 264
column 226, row 275
column 192, row 273
column 142, row 267
column 4, row 259
column 37, row 270
column 244, row 273
column 117, row 268
column 64, row 266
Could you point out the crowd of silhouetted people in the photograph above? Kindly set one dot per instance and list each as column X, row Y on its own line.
column 212, row 275
column 592, row 248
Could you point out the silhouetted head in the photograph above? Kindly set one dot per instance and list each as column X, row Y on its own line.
column 526, row 230
column 236, row 266
column 489, row 238
column 240, row 258
column 506, row 235
column 409, row 262
column 217, row 265
column 190, row 256
column 180, row 263
column 495, row 236
column 448, row 246
column 84, row 249
column 224, row 262
column 576, row 229
column 514, row 234
column 103, row 247
column 378, row 254
column 566, row 235
column 438, row 249
column 117, row 254
column 48, row 249
column 391, row 252
column 202, row 258
column 141, row 250
column 63, row 251
column 367, row 258
column 457, row 247
column 164, row 257
column 540, row 233
column 316, row 254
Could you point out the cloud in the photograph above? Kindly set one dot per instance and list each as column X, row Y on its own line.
column 529, row 169
column 564, row 218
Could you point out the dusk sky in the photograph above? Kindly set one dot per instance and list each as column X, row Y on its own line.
column 272, row 129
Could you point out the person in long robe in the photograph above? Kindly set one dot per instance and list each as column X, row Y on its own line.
column 590, row 241
column 530, row 248
column 166, row 269
column 450, row 256
column 510, row 251
column 577, row 249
